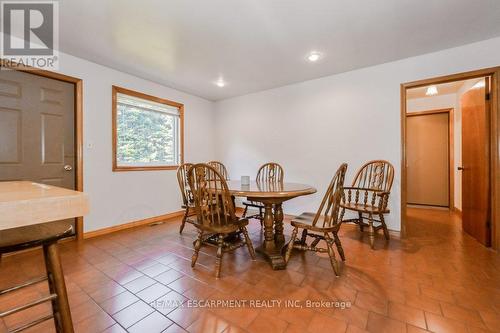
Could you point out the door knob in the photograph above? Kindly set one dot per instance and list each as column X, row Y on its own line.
column 68, row 167
column 461, row 168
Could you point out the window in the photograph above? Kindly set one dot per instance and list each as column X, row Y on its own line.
column 147, row 132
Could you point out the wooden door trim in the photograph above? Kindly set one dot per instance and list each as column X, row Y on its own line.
column 78, row 109
column 494, row 73
column 428, row 112
column 451, row 151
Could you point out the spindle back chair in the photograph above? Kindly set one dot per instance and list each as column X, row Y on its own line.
column 369, row 194
column 187, row 196
column 215, row 213
column 221, row 168
column 323, row 225
column 268, row 173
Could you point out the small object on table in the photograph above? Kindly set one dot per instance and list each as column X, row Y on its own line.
column 245, row 180
column 26, row 209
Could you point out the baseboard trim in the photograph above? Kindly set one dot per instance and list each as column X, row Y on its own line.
column 133, row 224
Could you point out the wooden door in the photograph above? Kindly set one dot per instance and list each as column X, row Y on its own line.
column 475, row 164
column 36, row 129
column 428, row 158
column 37, row 140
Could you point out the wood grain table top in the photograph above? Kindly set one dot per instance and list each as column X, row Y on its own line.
column 24, row 203
column 269, row 189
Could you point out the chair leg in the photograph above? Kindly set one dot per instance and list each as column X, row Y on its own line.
column 339, row 246
column 248, row 241
column 384, row 227
column 218, row 261
column 342, row 212
column 290, row 244
column 245, row 212
column 60, row 305
column 371, row 231
column 303, row 238
column 360, row 219
column 233, row 199
column 331, row 254
column 197, row 246
column 261, row 217
column 184, row 218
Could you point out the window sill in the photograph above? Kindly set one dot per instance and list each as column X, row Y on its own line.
column 144, row 168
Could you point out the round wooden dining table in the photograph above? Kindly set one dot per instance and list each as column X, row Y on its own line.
column 271, row 195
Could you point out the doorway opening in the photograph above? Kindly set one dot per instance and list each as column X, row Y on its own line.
column 49, row 106
column 449, row 144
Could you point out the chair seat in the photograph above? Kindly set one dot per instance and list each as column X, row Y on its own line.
column 362, row 208
column 305, row 221
column 17, row 239
column 226, row 227
column 253, row 204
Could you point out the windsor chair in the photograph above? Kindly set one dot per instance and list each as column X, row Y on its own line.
column 215, row 213
column 369, row 195
column 187, row 196
column 221, row 168
column 322, row 225
column 268, row 173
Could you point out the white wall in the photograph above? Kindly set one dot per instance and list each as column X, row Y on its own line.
column 120, row 197
column 444, row 102
column 311, row 127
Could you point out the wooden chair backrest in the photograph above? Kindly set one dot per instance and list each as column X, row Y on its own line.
column 270, row 172
column 375, row 175
column 328, row 211
column 213, row 203
column 182, row 179
column 221, row 168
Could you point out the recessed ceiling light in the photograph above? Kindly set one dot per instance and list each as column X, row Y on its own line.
column 220, row 83
column 314, row 56
column 431, row 90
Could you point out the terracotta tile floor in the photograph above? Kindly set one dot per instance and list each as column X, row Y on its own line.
column 140, row 280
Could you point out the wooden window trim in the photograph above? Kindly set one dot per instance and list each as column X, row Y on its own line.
column 116, row 168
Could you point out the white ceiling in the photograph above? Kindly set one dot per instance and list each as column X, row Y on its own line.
column 260, row 44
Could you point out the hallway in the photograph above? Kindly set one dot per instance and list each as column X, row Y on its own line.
column 437, row 280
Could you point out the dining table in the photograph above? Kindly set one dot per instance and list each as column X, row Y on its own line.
column 271, row 194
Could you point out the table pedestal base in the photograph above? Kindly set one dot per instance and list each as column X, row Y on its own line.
column 273, row 255
column 273, row 239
